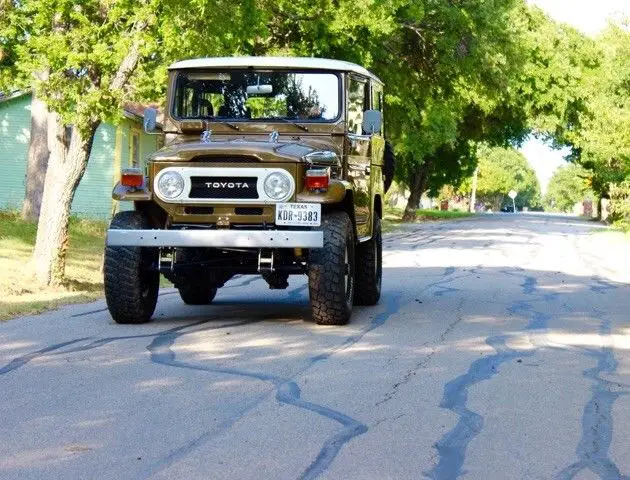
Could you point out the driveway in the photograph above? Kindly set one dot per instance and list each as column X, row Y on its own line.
column 500, row 349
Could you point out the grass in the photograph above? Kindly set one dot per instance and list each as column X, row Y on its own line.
column 613, row 233
column 442, row 215
column 392, row 219
column 19, row 291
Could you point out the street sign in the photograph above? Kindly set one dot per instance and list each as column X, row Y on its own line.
column 513, row 195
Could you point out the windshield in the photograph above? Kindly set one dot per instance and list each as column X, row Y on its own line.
column 252, row 95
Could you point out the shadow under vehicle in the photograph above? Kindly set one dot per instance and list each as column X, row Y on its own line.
column 271, row 166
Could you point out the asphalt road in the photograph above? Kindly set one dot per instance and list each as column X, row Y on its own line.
column 500, row 349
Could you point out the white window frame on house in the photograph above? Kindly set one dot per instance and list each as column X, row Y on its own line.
column 134, row 147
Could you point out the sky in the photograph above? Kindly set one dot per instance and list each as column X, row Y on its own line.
column 589, row 16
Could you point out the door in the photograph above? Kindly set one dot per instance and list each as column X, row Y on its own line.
column 358, row 152
column 377, row 145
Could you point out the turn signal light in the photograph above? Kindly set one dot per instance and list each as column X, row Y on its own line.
column 317, row 179
column 132, row 177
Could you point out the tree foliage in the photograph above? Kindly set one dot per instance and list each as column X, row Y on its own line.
column 603, row 137
column 620, row 204
column 500, row 171
column 568, row 185
column 83, row 46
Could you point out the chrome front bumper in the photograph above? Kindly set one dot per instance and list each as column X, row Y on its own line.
column 216, row 238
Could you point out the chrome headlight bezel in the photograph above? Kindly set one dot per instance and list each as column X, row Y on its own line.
column 286, row 182
column 175, row 179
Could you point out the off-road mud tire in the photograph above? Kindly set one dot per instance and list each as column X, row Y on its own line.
column 369, row 268
column 131, row 288
column 330, row 291
column 197, row 294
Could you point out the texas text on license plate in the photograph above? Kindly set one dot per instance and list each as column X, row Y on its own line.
column 299, row 214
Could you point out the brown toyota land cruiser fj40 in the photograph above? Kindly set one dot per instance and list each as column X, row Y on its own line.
column 271, row 166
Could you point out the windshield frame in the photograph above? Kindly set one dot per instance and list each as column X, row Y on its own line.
column 270, row 120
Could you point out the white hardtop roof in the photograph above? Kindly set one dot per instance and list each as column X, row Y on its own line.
column 305, row 63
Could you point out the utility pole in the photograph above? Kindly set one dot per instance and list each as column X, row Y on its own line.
column 473, row 193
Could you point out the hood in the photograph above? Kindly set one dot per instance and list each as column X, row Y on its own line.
column 293, row 149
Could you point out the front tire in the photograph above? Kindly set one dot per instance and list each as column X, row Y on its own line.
column 131, row 286
column 331, row 272
column 369, row 270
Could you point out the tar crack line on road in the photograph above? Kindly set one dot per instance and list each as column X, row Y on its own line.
column 426, row 359
column 452, row 447
column 287, row 392
column 19, row 362
column 597, row 419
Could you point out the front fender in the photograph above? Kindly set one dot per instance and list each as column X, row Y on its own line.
column 336, row 193
column 131, row 194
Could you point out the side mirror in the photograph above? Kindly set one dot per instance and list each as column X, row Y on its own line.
column 150, row 120
column 372, row 122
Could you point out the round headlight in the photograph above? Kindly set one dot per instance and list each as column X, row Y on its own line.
column 278, row 186
column 170, row 185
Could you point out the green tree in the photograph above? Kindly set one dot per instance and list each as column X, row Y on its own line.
column 603, row 136
column 98, row 55
column 551, row 82
column 449, row 68
column 620, row 205
column 502, row 170
column 541, row 89
column 568, row 185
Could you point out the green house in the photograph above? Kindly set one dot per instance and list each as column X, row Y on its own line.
column 115, row 147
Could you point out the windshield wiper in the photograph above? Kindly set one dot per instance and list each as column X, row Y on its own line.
column 286, row 120
column 231, row 125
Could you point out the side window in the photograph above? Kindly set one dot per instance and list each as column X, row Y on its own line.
column 377, row 98
column 357, row 98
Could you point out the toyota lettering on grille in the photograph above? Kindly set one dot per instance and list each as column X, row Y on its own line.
column 224, row 187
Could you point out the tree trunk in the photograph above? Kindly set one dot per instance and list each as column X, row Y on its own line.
column 497, row 200
column 601, row 215
column 66, row 166
column 417, row 187
column 37, row 160
column 473, row 192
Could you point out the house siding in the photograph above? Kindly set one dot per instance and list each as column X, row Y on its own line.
column 15, row 134
column 93, row 198
column 147, row 144
column 112, row 150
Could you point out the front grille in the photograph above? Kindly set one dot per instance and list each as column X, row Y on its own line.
column 199, row 210
column 224, row 187
column 248, row 211
column 220, row 159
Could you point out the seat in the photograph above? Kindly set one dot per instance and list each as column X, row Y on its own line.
column 205, row 109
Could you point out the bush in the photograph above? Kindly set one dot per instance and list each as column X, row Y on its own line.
column 620, row 205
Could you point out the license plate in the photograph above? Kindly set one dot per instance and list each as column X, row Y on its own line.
column 299, row 214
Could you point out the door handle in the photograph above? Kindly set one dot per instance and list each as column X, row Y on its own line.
column 368, row 168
